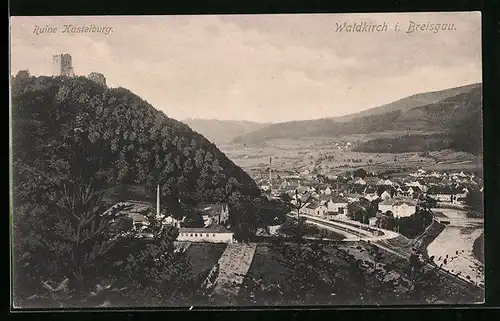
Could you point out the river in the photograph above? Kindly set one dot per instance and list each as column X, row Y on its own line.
column 459, row 236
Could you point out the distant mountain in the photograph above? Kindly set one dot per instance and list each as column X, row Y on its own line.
column 410, row 102
column 462, row 106
column 457, row 120
column 222, row 131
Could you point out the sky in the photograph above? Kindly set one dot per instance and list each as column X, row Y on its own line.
column 264, row 68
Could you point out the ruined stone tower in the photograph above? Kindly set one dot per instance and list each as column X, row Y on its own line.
column 97, row 78
column 62, row 65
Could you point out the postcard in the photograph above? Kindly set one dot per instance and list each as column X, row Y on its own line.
column 201, row 161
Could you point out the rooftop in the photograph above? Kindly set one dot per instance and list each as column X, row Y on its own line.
column 212, row 229
column 211, row 209
column 339, row 199
column 398, row 201
column 313, row 205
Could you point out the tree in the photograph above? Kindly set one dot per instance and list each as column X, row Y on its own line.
column 361, row 210
column 286, row 198
column 360, row 173
column 157, row 275
column 83, row 235
column 194, row 219
column 474, row 201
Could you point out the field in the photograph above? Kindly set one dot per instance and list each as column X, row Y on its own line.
column 331, row 156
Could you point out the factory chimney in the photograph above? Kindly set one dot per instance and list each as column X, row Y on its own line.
column 270, row 176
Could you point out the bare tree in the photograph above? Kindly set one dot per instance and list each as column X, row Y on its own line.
column 299, row 204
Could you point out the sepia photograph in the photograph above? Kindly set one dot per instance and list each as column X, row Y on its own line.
column 266, row 160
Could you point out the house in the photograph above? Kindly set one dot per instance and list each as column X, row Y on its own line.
column 371, row 197
column 216, row 234
column 360, row 181
column 337, row 207
column 435, row 175
column 372, row 221
column 135, row 210
column 354, row 197
column 170, row 220
column 138, row 221
column 442, row 193
column 463, row 193
column 385, row 195
column 324, row 198
column 316, row 208
column 214, row 213
column 369, row 190
column 413, row 191
column 284, row 184
column 400, row 207
column 327, row 191
column 264, row 188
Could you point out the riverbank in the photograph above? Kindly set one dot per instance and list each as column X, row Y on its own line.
column 478, row 248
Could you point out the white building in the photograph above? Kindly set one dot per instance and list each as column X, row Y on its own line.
column 399, row 207
column 172, row 221
column 337, row 207
column 214, row 213
column 385, row 195
column 360, row 181
column 372, row 221
column 371, row 197
column 207, row 235
column 316, row 209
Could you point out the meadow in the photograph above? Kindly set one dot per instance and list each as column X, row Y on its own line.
column 332, row 156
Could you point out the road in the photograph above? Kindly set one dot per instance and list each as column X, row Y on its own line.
column 353, row 231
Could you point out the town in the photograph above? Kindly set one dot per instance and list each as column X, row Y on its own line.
column 147, row 176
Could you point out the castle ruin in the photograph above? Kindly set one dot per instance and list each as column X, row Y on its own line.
column 97, row 78
column 62, row 65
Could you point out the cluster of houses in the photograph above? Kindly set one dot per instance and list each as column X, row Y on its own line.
column 215, row 220
column 329, row 197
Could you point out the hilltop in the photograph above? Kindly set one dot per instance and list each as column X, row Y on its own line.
column 72, row 127
column 222, row 131
column 410, row 102
column 445, row 118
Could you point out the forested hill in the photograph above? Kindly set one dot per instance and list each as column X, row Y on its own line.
column 456, row 117
column 413, row 101
column 71, row 127
column 456, row 121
